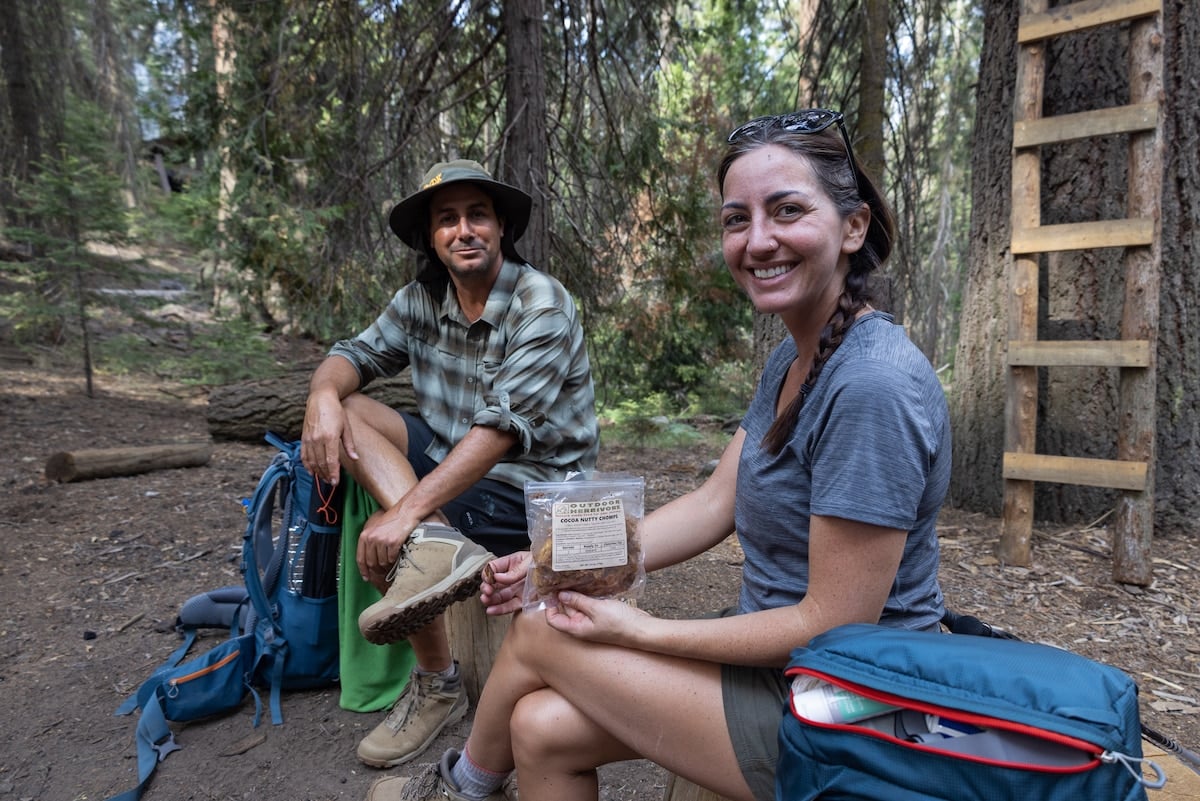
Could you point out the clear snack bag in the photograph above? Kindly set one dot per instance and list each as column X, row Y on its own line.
column 585, row 536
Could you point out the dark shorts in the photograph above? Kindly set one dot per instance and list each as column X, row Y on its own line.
column 491, row 513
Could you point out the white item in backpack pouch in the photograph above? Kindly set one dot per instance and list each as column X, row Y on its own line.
column 820, row 702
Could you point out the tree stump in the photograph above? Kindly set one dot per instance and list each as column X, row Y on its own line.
column 247, row 410
column 86, row 464
column 475, row 639
column 680, row 789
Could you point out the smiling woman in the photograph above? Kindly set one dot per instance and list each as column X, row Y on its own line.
column 786, row 243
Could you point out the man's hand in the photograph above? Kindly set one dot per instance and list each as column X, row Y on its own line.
column 379, row 543
column 503, row 586
column 326, row 431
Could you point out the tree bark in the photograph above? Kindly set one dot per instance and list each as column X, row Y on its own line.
column 872, row 75
column 16, row 62
column 525, row 146
column 223, row 23
column 1081, row 292
column 475, row 639
column 82, row 465
column 977, row 395
column 246, row 411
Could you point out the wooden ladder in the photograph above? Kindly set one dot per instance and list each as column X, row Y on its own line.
column 1139, row 234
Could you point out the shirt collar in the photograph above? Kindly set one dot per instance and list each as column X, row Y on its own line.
column 497, row 302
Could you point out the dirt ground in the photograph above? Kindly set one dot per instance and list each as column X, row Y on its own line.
column 92, row 574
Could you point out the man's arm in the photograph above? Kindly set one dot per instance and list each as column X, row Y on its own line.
column 467, row 463
column 326, row 429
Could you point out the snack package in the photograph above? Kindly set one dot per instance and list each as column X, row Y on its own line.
column 585, row 536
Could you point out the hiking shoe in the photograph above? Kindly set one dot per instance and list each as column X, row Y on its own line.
column 437, row 566
column 428, row 704
column 433, row 783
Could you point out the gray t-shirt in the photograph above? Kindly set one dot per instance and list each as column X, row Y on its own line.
column 872, row 444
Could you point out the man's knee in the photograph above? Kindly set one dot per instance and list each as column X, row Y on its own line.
column 363, row 412
column 363, row 407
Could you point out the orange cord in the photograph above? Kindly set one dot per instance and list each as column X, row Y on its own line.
column 326, row 510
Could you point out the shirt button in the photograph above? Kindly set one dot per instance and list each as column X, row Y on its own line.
column 471, row 379
column 465, row 421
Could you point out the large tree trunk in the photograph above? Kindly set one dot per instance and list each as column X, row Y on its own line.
column 872, row 76
column 224, row 53
column 16, row 64
column 1081, row 293
column 525, row 148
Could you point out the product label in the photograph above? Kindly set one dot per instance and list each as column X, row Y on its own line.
column 589, row 534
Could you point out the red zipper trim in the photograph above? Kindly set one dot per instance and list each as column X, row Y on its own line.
column 982, row 721
column 206, row 670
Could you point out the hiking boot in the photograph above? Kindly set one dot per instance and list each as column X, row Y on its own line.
column 433, row 783
column 437, row 566
column 428, row 704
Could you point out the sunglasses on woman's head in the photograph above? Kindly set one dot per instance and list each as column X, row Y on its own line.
column 809, row 121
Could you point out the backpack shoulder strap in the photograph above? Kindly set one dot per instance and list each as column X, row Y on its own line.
column 263, row 556
column 154, row 741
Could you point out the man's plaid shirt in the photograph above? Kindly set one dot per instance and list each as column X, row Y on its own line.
column 522, row 367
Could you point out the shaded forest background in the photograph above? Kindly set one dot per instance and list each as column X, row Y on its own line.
column 268, row 141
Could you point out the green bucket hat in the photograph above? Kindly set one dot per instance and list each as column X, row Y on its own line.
column 410, row 220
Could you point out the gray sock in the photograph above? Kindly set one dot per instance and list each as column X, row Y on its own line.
column 450, row 674
column 474, row 781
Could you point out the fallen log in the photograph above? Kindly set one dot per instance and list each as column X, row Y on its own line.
column 81, row 465
column 247, row 410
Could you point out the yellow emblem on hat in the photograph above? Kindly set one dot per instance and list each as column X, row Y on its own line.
column 434, row 181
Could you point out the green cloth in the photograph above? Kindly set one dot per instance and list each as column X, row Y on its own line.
column 372, row 676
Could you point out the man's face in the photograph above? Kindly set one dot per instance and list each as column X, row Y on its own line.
column 465, row 232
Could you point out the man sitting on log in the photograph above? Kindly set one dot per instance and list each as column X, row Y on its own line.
column 504, row 395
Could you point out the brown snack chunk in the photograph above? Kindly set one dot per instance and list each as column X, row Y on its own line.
column 598, row 582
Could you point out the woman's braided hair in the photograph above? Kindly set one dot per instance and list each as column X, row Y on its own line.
column 849, row 188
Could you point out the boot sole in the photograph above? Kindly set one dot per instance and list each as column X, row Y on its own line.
column 397, row 623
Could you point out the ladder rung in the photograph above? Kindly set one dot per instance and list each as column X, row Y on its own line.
column 1082, row 15
column 1074, row 470
column 1084, row 236
column 1073, row 353
column 1102, row 122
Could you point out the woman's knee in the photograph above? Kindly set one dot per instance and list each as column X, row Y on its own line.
column 545, row 728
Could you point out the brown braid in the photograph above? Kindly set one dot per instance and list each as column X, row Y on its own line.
column 852, row 300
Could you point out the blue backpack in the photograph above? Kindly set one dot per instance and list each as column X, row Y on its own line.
column 283, row 621
column 891, row 715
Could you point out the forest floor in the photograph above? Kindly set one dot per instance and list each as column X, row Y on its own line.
column 92, row 575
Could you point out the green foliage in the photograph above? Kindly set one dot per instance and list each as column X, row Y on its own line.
column 186, row 219
column 275, row 243
column 219, row 353
column 935, row 61
column 72, row 197
column 648, row 423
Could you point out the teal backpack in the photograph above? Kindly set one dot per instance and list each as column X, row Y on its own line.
column 283, row 621
column 884, row 714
